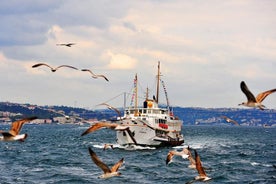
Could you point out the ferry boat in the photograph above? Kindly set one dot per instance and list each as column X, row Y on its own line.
column 149, row 124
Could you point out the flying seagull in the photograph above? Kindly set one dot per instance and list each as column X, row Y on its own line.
column 95, row 76
column 99, row 125
column 66, row 44
column 107, row 171
column 13, row 133
column 53, row 69
column 112, row 108
column 230, row 120
column 190, row 157
column 171, row 154
column 251, row 100
column 202, row 175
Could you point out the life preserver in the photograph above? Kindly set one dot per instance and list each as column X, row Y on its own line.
column 149, row 104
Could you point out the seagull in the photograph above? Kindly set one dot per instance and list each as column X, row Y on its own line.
column 112, row 108
column 66, row 44
column 171, row 154
column 202, row 175
column 251, row 100
column 99, row 125
column 94, row 75
column 13, row 133
column 230, row 120
column 107, row 171
column 52, row 69
column 108, row 146
column 190, row 157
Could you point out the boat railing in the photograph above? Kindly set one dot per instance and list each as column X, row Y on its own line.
column 145, row 111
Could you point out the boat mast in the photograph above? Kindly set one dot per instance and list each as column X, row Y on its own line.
column 136, row 96
column 158, row 79
column 147, row 94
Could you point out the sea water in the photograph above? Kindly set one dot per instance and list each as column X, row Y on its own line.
column 58, row 154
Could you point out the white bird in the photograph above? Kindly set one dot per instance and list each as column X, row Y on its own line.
column 107, row 171
column 53, row 69
column 202, row 174
column 95, row 76
column 190, row 157
column 13, row 133
column 230, row 120
column 99, row 125
column 183, row 153
column 251, row 100
column 66, row 44
column 112, row 108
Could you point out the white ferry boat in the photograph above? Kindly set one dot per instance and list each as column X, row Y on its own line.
column 149, row 124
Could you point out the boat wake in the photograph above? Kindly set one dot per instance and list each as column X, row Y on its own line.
column 136, row 147
column 127, row 147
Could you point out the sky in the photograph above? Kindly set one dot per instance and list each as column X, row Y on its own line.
column 205, row 48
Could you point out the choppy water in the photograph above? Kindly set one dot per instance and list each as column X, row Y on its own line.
column 58, row 154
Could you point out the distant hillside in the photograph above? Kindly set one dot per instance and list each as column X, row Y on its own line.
column 49, row 112
column 189, row 115
column 250, row 117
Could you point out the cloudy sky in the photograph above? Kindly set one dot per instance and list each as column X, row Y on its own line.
column 206, row 48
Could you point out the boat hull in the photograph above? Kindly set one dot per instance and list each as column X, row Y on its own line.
column 145, row 136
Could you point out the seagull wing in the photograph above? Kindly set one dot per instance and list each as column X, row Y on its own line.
column 234, row 122
column 199, row 167
column 66, row 44
column 42, row 64
column 87, row 70
column 17, row 125
column 99, row 125
column 68, row 66
column 94, row 75
column 69, row 44
column 192, row 160
column 186, row 151
column 169, row 157
column 190, row 157
column 113, row 108
column 230, row 120
column 98, row 162
column 224, row 117
column 103, row 77
column 260, row 97
column 247, row 92
column 117, row 165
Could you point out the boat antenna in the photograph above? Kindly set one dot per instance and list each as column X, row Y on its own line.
column 158, row 79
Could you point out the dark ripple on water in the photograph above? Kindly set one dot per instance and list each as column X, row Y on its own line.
column 58, row 154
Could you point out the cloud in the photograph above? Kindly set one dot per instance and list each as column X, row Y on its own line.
column 202, row 45
column 121, row 61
